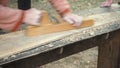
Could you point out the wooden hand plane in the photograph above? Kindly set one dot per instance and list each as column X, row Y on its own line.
column 46, row 26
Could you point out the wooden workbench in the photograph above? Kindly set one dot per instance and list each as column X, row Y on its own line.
column 16, row 47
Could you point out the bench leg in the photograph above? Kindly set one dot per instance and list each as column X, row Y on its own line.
column 109, row 56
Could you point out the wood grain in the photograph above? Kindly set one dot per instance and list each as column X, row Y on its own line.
column 47, row 27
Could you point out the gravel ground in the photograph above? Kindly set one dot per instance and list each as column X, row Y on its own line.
column 85, row 59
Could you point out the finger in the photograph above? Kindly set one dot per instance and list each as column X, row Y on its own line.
column 34, row 23
column 38, row 12
column 68, row 20
column 77, row 20
column 103, row 4
column 35, row 11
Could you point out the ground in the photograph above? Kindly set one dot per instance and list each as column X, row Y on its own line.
column 85, row 59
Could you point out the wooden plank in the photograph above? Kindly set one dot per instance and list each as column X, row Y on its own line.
column 109, row 51
column 47, row 27
column 119, row 59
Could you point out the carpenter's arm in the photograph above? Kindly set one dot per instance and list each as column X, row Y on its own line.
column 106, row 3
column 4, row 2
column 9, row 17
column 63, row 8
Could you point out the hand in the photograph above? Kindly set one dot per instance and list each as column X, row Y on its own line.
column 32, row 16
column 9, row 17
column 106, row 4
column 73, row 19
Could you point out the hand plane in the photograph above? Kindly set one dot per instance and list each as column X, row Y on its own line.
column 46, row 26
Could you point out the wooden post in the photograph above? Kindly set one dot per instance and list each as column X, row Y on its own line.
column 109, row 51
column 119, row 59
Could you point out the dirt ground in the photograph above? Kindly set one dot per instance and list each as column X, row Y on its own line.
column 85, row 59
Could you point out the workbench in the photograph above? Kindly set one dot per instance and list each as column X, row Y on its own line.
column 20, row 51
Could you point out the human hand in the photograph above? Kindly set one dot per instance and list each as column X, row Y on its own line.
column 10, row 19
column 106, row 4
column 73, row 19
column 32, row 16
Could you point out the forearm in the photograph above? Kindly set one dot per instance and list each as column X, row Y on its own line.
column 9, row 17
column 109, row 1
column 62, row 6
column 4, row 2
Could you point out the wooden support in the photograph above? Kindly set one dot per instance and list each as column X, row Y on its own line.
column 109, row 56
column 119, row 59
column 46, row 26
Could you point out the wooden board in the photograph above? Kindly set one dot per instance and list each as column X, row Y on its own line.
column 47, row 27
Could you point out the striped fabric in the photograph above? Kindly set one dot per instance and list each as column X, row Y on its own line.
column 61, row 6
column 4, row 2
column 9, row 17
